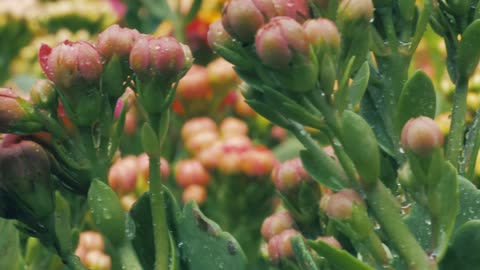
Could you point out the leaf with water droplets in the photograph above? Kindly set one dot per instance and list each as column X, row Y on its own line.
column 464, row 249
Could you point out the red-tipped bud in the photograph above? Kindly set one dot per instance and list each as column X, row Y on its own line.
column 280, row 42
column 98, row 260
column 233, row 127
column 16, row 114
column 160, row 57
column 288, row 175
column 217, row 36
column 194, row 85
column 210, row 156
column 258, row 162
column 280, row 247
column 276, row 223
column 190, row 172
column 356, row 10
column 242, row 108
column 71, row 64
column 122, row 176
column 43, row 95
column 278, row 133
column 197, row 125
column 332, row 241
column 91, row 240
column 421, row 135
column 197, row 193
column 340, row 205
column 116, row 41
column 322, row 34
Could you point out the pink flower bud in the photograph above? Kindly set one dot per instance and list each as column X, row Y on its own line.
column 15, row 115
column 237, row 144
column 200, row 141
column 197, row 125
column 71, row 64
column 278, row 133
column 242, row 108
column 221, row 76
column 197, row 193
column 190, row 172
column 340, row 205
column 194, row 85
column 288, row 175
column 91, row 240
column 233, row 127
column 127, row 202
column 322, row 34
column 280, row 247
column 242, row 19
column 122, row 176
column 210, row 156
column 280, row 42
column 159, row 57
column 116, row 40
column 43, row 95
column 276, row 223
column 421, row 135
column 258, row 162
column 217, row 36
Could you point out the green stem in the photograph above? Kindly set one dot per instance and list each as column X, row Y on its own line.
column 457, row 127
column 159, row 218
column 387, row 211
column 128, row 257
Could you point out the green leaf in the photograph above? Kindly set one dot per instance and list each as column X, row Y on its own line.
column 302, row 254
column 319, row 172
column 341, row 259
column 472, row 145
column 468, row 53
column 9, row 245
column 107, row 211
column 417, row 99
column 150, row 141
column 267, row 112
column 469, row 203
column 465, row 247
column 143, row 240
column 361, row 145
column 288, row 149
column 203, row 245
column 160, row 8
column 62, row 224
column 359, row 85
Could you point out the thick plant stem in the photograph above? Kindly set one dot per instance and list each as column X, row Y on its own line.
column 159, row 218
column 457, row 127
column 73, row 263
column 387, row 211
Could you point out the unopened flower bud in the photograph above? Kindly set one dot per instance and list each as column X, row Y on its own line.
column 190, row 172
column 17, row 115
column 257, row 162
column 356, row 10
column 194, row 192
column 160, row 57
column 127, row 202
column 91, row 240
column 280, row 247
column 71, row 64
column 242, row 108
column 280, row 42
column 197, row 125
column 221, row 76
column 323, row 35
column 200, row 141
column 144, row 164
column 122, row 176
column 210, row 156
column 195, row 84
column 25, row 177
column 116, row 41
column 98, row 260
column 43, row 95
column 276, row 223
column 288, row 175
column 232, row 127
column 421, row 135
column 340, row 205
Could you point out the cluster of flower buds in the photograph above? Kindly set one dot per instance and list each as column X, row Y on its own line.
column 192, row 176
column 202, row 89
column 227, row 147
column 90, row 250
column 128, row 177
column 288, row 175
